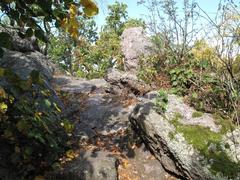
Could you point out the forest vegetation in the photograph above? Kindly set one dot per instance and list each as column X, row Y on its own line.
column 204, row 69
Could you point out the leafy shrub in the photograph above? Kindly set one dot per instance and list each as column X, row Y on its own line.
column 31, row 127
column 147, row 68
column 181, row 79
column 161, row 102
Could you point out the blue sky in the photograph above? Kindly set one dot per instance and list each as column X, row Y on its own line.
column 137, row 11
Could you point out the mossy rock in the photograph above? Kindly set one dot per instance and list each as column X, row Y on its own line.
column 183, row 145
column 210, row 145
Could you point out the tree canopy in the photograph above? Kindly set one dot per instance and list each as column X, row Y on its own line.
column 34, row 17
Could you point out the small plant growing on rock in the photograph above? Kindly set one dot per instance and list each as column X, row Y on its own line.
column 197, row 114
column 161, row 102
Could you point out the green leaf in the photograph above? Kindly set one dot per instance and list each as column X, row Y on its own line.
column 194, row 95
column 47, row 103
column 5, row 40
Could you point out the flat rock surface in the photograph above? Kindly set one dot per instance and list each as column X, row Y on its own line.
column 90, row 165
column 78, row 85
column 102, row 121
column 176, row 106
column 144, row 166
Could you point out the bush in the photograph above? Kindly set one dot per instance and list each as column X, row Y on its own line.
column 161, row 102
column 31, row 128
column 148, row 69
column 181, row 79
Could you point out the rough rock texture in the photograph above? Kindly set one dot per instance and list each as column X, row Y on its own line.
column 175, row 153
column 100, row 116
column 24, row 63
column 231, row 145
column 126, row 82
column 79, row 85
column 177, row 106
column 97, row 110
column 146, row 166
column 134, row 44
column 90, row 165
column 21, row 44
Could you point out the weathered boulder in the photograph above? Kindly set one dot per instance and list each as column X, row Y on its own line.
column 28, row 44
column 23, row 63
column 184, row 145
column 89, row 166
column 79, row 85
column 134, row 44
column 126, row 82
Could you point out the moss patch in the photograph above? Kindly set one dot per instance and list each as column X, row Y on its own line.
column 197, row 114
column 201, row 138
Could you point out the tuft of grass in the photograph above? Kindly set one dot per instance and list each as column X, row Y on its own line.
column 197, row 114
column 171, row 135
column 201, row 137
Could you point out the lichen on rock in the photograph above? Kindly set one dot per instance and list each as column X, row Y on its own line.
column 185, row 146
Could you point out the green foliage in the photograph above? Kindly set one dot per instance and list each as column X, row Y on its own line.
column 31, row 127
column 197, row 114
column 60, row 51
column 181, row 79
column 116, row 18
column 201, row 138
column 30, row 15
column 161, row 102
column 134, row 23
column 148, row 68
column 90, row 56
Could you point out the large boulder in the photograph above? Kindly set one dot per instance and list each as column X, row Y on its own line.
column 134, row 44
column 190, row 145
column 126, row 82
column 23, row 63
column 28, row 44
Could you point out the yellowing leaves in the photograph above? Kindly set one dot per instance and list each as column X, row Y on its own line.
column 3, row 107
column 70, row 23
column 39, row 178
column 89, row 7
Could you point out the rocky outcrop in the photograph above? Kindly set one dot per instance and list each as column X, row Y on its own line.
column 169, row 138
column 126, row 82
column 23, row 63
column 135, row 44
column 102, row 116
column 98, row 110
column 19, row 44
